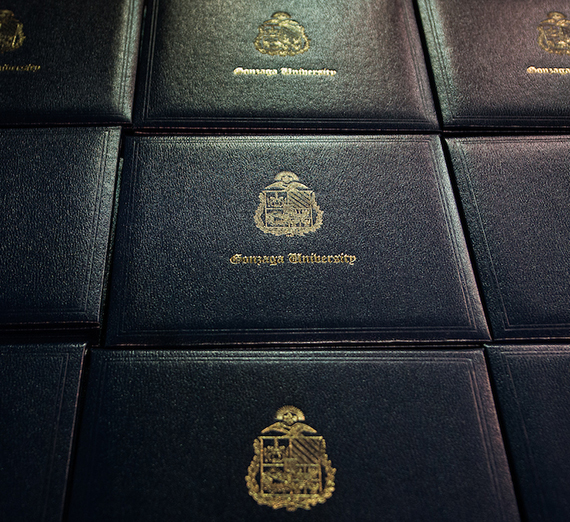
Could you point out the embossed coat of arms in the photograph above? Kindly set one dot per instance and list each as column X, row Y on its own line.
column 288, row 207
column 11, row 32
column 554, row 34
column 281, row 36
column 290, row 467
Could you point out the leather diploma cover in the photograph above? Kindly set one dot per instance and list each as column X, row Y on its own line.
column 68, row 61
column 251, row 65
column 56, row 196
column 289, row 238
column 499, row 64
column 409, row 435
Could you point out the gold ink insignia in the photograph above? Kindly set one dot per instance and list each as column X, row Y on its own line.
column 288, row 207
column 554, row 34
column 11, row 32
column 281, row 36
column 290, row 469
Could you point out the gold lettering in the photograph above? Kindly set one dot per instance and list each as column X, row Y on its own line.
column 293, row 258
column 267, row 72
column 284, row 71
column 548, row 70
column 287, row 71
column 19, row 68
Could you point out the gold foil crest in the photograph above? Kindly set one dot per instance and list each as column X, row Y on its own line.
column 11, row 32
column 288, row 207
column 281, row 36
column 290, row 467
column 554, row 33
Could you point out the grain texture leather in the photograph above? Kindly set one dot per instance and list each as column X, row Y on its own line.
column 533, row 397
column 413, row 435
column 87, row 56
column 188, row 206
column 191, row 50
column 483, row 54
column 39, row 386
column 514, row 191
column 56, row 199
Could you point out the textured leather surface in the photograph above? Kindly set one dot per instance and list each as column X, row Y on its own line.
column 187, row 207
column 480, row 51
column 533, row 396
column 192, row 48
column 514, row 192
column 39, row 387
column 87, row 54
column 169, row 435
column 56, row 198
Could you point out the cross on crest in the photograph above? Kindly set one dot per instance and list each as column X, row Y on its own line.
column 288, row 207
column 290, row 468
column 281, row 36
column 554, row 33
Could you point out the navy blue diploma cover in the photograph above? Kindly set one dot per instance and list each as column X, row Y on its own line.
column 68, row 61
column 253, row 65
column 289, row 239
column 514, row 192
column 39, row 386
column 56, row 195
column 407, row 435
column 532, row 397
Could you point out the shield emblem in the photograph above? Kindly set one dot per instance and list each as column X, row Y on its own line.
column 288, row 207
column 554, row 33
column 281, row 36
column 290, row 469
column 11, row 31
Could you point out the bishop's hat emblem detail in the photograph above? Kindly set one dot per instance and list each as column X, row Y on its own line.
column 290, row 467
column 554, row 34
column 288, row 207
column 11, row 32
column 281, row 36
